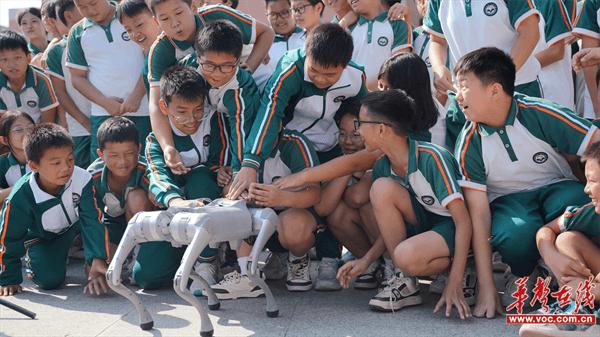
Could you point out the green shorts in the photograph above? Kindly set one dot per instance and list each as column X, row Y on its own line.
column 443, row 225
column 517, row 217
column 116, row 228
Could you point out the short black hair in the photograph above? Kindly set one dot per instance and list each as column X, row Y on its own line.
column 61, row 7
column 153, row 3
column 269, row 1
column 131, row 8
column 394, row 107
column 9, row 118
column 330, row 45
column 48, row 8
column 117, row 130
column 183, row 82
column 408, row 71
column 43, row 137
column 10, row 40
column 349, row 107
column 219, row 36
column 31, row 10
column 592, row 152
column 490, row 65
column 316, row 2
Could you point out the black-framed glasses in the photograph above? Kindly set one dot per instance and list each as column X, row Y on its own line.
column 300, row 9
column 354, row 137
column 282, row 15
column 224, row 68
column 358, row 123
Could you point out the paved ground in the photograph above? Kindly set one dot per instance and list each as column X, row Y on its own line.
column 67, row 312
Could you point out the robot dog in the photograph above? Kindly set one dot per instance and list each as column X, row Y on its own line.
column 220, row 221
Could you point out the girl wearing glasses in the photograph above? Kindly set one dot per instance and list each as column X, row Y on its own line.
column 307, row 13
column 424, row 224
column 14, row 125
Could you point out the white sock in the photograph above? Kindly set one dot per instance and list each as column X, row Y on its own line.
column 243, row 262
column 292, row 257
column 388, row 262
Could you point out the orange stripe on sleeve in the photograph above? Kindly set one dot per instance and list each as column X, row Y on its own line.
column 49, row 87
column 555, row 115
column 302, row 150
column 274, row 102
column 223, row 140
column 4, row 230
column 440, row 168
column 238, row 127
column 563, row 14
column 232, row 13
column 464, row 152
column 153, row 167
column 579, row 15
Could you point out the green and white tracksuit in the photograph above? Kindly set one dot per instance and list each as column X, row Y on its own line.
column 113, row 203
column 34, row 98
column 11, row 170
column 166, row 51
column 520, row 166
column 583, row 219
column 432, row 182
column 292, row 101
column 204, row 152
column 43, row 226
column 238, row 100
column 56, row 67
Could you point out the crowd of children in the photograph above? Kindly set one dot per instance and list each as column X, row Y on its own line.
column 435, row 139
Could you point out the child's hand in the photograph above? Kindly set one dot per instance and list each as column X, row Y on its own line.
column 181, row 203
column 487, row 304
column 265, row 195
column 564, row 266
column 224, row 176
column 131, row 104
column 97, row 278
column 351, row 270
column 442, row 79
column 113, row 106
column 241, row 182
column 586, row 57
column 290, row 182
column 399, row 12
column 453, row 296
column 174, row 162
column 10, row 290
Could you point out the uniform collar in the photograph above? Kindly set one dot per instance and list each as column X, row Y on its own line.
column 132, row 182
column 487, row 130
column 281, row 38
column 30, row 79
column 12, row 160
column 379, row 18
column 41, row 195
column 87, row 23
column 413, row 157
column 33, row 49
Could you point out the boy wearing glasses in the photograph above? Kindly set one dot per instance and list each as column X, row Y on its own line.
column 288, row 36
column 180, row 25
column 200, row 137
column 231, row 89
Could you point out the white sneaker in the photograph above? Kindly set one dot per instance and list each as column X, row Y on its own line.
column 367, row 280
column 326, row 275
column 234, row 285
column 298, row 275
column 469, row 282
column 401, row 291
column 206, row 270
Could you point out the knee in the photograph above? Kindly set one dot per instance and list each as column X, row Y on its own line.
column 137, row 201
column 296, row 228
column 49, row 281
column 569, row 241
column 406, row 258
column 147, row 280
column 386, row 191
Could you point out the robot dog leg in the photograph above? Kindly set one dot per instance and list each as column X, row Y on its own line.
column 143, row 227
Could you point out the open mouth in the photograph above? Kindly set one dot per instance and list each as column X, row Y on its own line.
column 353, row 2
column 141, row 38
